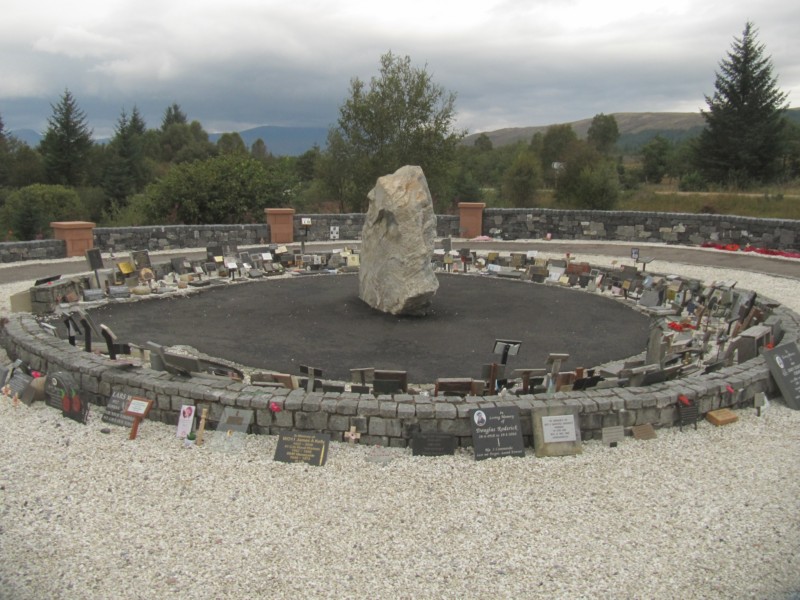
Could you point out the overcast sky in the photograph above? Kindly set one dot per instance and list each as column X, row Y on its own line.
column 235, row 64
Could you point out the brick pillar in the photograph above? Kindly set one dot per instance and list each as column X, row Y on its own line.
column 78, row 235
column 471, row 219
column 281, row 225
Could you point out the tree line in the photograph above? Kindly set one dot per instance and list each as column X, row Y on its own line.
column 175, row 174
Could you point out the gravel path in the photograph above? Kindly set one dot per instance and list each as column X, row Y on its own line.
column 711, row 513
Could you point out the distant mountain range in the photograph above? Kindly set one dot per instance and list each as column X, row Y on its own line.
column 280, row 141
column 635, row 129
column 283, row 141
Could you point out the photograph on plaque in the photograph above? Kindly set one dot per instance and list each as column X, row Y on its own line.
column 185, row 421
column 496, row 432
column 307, row 447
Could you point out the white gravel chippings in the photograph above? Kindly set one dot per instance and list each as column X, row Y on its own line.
column 706, row 513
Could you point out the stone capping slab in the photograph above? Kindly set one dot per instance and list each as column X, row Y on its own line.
column 395, row 419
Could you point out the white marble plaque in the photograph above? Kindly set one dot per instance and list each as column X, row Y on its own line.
column 559, row 429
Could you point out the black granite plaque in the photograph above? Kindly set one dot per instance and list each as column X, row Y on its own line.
column 496, row 432
column 18, row 383
column 95, row 259
column 433, row 444
column 62, row 393
column 115, row 410
column 310, row 448
column 784, row 366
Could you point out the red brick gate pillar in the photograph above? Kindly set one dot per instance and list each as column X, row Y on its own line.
column 470, row 219
column 281, row 225
column 78, row 235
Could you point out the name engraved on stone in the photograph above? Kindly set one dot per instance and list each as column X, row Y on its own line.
column 308, row 448
column 559, row 429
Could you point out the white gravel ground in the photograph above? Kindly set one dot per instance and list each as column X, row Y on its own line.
column 711, row 513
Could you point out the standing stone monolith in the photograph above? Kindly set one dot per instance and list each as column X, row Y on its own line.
column 396, row 274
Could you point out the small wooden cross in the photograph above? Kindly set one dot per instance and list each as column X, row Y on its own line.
column 352, row 436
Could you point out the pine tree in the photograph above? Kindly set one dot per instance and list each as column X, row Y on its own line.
column 66, row 143
column 741, row 143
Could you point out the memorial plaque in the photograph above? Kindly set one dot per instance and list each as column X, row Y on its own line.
column 556, row 432
column 212, row 252
column 309, row 448
column 613, row 434
column 232, row 428
column 59, row 389
column 119, row 291
column 644, row 432
column 784, row 366
column 93, row 295
column 115, row 410
column 141, row 259
column 95, row 259
column 185, row 421
column 433, row 444
column 496, row 432
column 18, row 383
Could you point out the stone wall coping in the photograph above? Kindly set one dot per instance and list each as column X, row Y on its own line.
column 24, row 338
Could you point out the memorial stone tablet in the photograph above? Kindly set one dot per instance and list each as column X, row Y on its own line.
column 496, row 432
column 119, row 291
column 784, row 366
column 556, row 431
column 62, row 392
column 433, row 444
column 95, row 259
column 115, row 410
column 309, row 448
column 92, row 295
column 18, row 383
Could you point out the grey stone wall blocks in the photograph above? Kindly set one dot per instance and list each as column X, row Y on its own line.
column 387, row 420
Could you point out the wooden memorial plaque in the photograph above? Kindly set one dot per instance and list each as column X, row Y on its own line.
column 784, row 366
column 496, row 432
column 556, row 432
column 138, row 408
column 115, row 410
column 309, row 448
column 433, row 444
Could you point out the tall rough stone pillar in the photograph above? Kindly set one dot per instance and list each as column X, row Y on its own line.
column 396, row 275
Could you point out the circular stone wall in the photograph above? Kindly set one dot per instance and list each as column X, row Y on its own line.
column 320, row 321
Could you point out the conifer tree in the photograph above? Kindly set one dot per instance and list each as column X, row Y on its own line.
column 66, row 144
column 741, row 143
